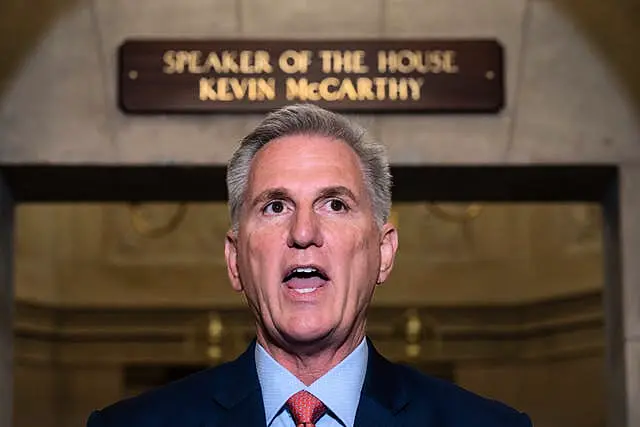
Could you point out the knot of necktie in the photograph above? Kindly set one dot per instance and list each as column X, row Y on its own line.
column 305, row 408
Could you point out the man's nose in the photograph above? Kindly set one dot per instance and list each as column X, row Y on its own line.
column 305, row 230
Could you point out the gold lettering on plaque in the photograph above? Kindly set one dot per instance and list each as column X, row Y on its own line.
column 197, row 62
column 365, row 89
column 393, row 88
column 409, row 61
column 254, row 62
column 415, row 87
column 337, row 61
column 327, row 89
column 333, row 89
column 293, row 61
column 380, row 83
column 231, row 89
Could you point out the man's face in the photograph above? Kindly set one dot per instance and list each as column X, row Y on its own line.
column 308, row 252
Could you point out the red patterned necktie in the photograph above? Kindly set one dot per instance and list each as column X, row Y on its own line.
column 305, row 408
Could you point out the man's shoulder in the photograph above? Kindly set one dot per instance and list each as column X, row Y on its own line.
column 454, row 405
column 178, row 401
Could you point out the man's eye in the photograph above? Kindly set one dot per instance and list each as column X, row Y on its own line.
column 274, row 207
column 337, row 205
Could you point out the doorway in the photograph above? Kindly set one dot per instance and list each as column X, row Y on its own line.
column 413, row 185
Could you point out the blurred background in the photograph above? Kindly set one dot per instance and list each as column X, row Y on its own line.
column 503, row 299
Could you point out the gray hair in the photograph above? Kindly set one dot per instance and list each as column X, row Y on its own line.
column 308, row 119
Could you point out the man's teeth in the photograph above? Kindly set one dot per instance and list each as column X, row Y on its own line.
column 304, row 270
column 305, row 290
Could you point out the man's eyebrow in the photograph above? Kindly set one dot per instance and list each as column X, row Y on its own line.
column 270, row 194
column 337, row 191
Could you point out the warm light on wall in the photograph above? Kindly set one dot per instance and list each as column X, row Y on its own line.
column 413, row 333
column 215, row 331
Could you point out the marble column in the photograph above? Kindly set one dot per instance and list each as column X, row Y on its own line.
column 6, row 306
column 622, row 298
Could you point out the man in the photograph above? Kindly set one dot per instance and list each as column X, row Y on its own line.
column 309, row 197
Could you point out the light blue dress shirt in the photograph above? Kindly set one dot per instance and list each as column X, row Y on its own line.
column 339, row 389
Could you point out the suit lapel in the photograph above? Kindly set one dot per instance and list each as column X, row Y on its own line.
column 248, row 412
column 371, row 414
column 383, row 393
column 237, row 391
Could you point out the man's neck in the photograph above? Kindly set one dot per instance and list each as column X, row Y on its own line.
column 309, row 363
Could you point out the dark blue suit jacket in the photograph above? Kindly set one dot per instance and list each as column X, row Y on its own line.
column 229, row 396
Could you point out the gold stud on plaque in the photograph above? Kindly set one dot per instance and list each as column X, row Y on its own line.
column 133, row 74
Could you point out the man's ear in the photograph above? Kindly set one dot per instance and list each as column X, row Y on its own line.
column 231, row 257
column 388, row 249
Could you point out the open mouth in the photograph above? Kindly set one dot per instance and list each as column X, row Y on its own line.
column 304, row 279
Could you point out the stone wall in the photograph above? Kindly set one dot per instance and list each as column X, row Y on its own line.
column 571, row 78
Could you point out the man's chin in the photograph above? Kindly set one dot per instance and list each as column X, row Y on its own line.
column 308, row 337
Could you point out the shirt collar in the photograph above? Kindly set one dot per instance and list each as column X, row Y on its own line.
column 339, row 389
column 277, row 383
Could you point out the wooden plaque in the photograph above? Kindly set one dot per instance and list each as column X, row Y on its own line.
column 369, row 76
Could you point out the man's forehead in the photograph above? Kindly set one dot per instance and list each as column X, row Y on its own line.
column 303, row 162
